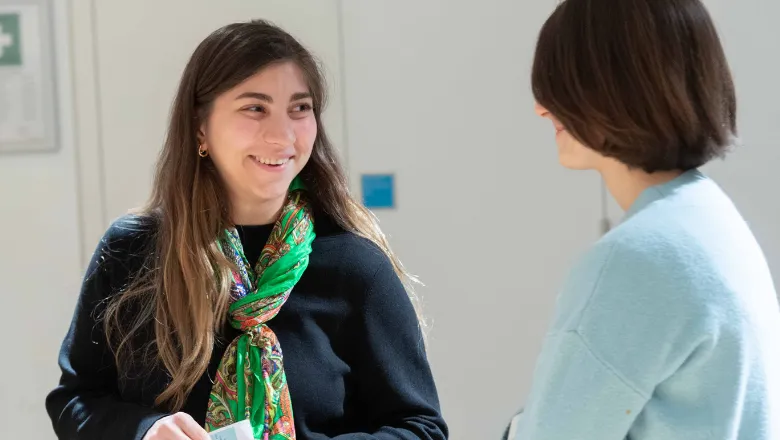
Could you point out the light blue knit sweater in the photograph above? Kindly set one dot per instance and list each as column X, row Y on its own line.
column 668, row 329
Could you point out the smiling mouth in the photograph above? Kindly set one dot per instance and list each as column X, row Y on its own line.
column 271, row 162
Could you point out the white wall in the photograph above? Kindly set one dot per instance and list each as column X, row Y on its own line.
column 39, row 263
column 752, row 40
column 438, row 92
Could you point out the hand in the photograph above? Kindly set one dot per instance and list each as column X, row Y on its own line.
column 180, row 426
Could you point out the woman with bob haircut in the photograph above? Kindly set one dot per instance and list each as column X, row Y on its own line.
column 666, row 328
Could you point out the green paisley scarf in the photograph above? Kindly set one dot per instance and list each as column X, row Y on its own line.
column 250, row 382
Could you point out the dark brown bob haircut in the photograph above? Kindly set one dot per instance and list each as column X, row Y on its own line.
column 643, row 81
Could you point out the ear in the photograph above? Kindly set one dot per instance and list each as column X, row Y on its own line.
column 202, row 135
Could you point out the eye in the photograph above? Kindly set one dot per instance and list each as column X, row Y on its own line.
column 255, row 109
column 302, row 108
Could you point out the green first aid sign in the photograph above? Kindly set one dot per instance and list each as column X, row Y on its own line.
column 10, row 41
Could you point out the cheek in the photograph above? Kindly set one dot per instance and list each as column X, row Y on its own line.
column 242, row 132
column 231, row 135
column 563, row 140
column 305, row 134
column 579, row 156
column 571, row 144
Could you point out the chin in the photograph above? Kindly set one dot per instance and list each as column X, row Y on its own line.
column 573, row 164
column 268, row 192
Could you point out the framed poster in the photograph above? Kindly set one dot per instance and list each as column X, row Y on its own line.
column 28, row 103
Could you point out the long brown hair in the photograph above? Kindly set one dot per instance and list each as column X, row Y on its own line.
column 179, row 291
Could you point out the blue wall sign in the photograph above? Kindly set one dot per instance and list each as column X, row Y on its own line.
column 378, row 191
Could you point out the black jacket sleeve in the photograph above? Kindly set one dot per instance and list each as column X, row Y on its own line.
column 397, row 387
column 86, row 405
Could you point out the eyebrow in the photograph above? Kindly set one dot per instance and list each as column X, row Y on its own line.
column 299, row 96
column 268, row 99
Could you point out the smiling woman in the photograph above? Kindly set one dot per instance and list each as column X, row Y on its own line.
column 252, row 286
column 260, row 134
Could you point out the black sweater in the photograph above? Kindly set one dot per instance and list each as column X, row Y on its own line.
column 353, row 351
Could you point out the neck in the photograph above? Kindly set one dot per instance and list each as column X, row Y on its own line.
column 626, row 184
column 255, row 212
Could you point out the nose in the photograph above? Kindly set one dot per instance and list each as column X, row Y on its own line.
column 541, row 111
column 279, row 131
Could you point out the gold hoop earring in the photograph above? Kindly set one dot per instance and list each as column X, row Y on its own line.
column 202, row 152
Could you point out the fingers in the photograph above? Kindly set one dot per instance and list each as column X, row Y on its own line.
column 180, row 426
column 190, row 427
column 165, row 429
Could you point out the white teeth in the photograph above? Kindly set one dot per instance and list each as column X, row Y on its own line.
column 266, row 161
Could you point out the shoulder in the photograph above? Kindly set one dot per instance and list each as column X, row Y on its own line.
column 645, row 255
column 131, row 231
column 129, row 235
column 669, row 241
column 355, row 262
column 683, row 231
column 350, row 254
column 653, row 265
column 367, row 279
column 359, row 260
column 125, row 246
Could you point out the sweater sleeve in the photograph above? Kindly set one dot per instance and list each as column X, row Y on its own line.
column 86, row 404
column 396, row 385
column 576, row 395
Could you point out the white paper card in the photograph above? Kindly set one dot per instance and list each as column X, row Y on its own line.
column 237, row 431
column 513, row 425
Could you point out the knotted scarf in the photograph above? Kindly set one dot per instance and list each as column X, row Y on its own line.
column 250, row 382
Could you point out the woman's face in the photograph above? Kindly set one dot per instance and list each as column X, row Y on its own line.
column 572, row 153
column 260, row 134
